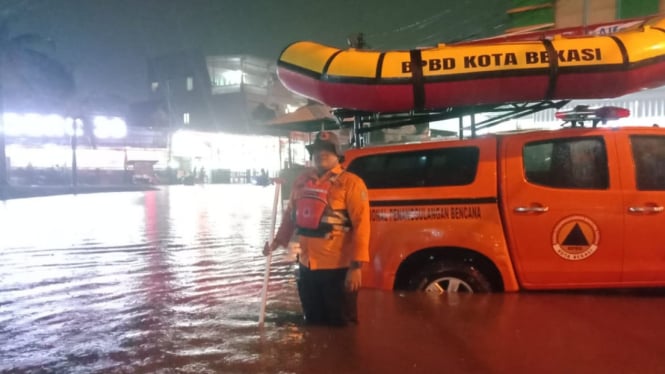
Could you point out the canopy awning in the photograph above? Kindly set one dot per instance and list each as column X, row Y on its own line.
column 309, row 118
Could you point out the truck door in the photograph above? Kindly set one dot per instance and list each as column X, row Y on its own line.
column 562, row 207
column 643, row 178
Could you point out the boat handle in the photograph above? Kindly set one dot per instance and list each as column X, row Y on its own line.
column 646, row 209
column 531, row 209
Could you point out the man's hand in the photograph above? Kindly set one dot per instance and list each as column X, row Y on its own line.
column 353, row 279
column 268, row 248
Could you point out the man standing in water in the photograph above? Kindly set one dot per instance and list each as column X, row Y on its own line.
column 329, row 210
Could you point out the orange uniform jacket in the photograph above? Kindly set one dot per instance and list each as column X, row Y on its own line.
column 337, row 250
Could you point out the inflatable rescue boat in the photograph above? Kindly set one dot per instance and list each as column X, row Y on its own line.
column 560, row 67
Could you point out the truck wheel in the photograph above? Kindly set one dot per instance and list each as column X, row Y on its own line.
column 443, row 276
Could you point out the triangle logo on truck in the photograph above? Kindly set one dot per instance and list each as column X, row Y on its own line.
column 575, row 238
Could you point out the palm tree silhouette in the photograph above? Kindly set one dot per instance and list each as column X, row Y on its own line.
column 27, row 74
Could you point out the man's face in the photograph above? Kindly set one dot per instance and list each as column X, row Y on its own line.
column 325, row 160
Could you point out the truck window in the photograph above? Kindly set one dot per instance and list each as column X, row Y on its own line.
column 567, row 163
column 427, row 168
column 649, row 156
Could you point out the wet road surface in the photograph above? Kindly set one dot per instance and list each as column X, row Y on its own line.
column 169, row 282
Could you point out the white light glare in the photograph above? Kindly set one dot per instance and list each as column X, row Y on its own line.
column 13, row 124
column 290, row 108
column 69, row 128
column 34, row 125
column 232, row 77
column 109, row 127
column 53, row 126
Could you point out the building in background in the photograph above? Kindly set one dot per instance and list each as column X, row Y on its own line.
column 41, row 148
column 230, row 94
column 216, row 108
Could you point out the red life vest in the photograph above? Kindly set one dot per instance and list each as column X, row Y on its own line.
column 312, row 214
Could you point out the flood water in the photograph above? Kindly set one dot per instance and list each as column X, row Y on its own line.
column 169, row 281
column 139, row 281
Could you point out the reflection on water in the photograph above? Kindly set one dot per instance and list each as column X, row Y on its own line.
column 139, row 280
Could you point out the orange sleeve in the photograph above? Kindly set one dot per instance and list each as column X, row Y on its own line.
column 357, row 205
column 287, row 227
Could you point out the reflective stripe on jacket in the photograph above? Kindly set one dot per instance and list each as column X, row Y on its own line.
column 347, row 193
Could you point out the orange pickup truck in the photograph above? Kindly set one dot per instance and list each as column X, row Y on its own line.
column 563, row 209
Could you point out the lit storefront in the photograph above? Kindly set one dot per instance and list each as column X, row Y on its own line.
column 231, row 158
column 40, row 148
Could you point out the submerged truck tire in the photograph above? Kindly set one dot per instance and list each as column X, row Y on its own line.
column 450, row 276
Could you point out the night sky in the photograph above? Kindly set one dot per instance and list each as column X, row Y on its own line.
column 106, row 42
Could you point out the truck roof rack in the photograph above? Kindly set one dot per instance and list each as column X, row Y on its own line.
column 364, row 122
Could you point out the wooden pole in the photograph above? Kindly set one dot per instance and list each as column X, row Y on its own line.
column 266, row 275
